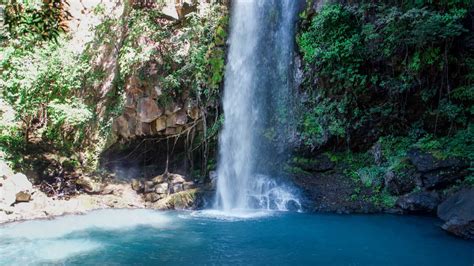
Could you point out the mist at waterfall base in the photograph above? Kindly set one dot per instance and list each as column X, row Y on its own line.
column 257, row 108
column 146, row 237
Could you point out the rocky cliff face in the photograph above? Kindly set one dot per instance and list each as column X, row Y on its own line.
column 157, row 71
column 143, row 115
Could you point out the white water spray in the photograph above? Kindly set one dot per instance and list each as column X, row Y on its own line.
column 257, row 87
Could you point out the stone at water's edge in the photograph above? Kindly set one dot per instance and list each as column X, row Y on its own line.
column 419, row 202
column 23, row 196
column 89, row 185
column 162, row 188
column 136, row 185
column 458, row 213
column 149, row 186
column 19, row 200
column 170, row 191
column 11, row 185
column 152, row 197
column 41, row 206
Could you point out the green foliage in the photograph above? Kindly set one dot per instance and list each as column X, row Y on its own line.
column 67, row 121
column 12, row 144
column 377, row 68
column 35, row 20
column 204, row 71
column 143, row 30
column 368, row 177
column 459, row 145
column 371, row 176
column 384, row 200
column 32, row 79
column 396, row 73
column 324, row 120
column 470, row 179
column 191, row 60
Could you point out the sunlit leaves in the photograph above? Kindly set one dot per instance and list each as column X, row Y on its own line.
column 37, row 20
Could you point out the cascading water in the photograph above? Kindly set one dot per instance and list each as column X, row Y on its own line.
column 259, row 78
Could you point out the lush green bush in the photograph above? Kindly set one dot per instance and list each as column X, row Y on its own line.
column 50, row 86
column 35, row 20
column 373, row 69
column 191, row 57
column 67, row 121
column 33, row 78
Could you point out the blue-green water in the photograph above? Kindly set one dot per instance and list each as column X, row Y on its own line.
column 126, row 237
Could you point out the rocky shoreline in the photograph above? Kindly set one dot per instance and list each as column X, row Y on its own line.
column 327, row 191
column 425, row 186
column 40, row 206
column 20, row 200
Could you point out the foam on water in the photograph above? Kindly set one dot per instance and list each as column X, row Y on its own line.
column 103, row 219
column 47, row 241
column 61, row 249
column 233, row 215
column 21, row 251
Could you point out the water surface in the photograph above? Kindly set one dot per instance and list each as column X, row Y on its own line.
column 118, row 237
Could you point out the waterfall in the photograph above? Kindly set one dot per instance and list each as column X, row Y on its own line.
column 257, row 113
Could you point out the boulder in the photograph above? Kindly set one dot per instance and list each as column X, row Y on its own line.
column 152, row 197
column 442, row 178
column 22, row 196
column 400, row 183
column 194, row 112
column 13, row 185
column 176, row 179
column 120, row 127
column 149, row 186
column 89, row 185
column 170, row 131
column 143, row 129
column 148, row 110
column 160, row 179
column 173, row 107
column 171, row 120
column 458, row 213
column 419, row 202
column 20, row 181
column 189, row 185
column 181, row 117
column 160, row 124
column 136, row 185
column 426, row 162
column 162, row 188
column 437, row 173
column 129, row 101
column 176, row 188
